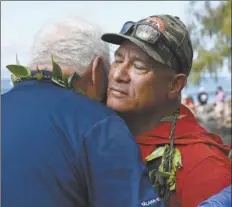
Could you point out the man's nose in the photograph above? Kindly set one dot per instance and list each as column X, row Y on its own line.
column 121, row 73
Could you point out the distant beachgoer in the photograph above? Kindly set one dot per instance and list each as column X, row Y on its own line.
column 228, row 113
column 202, row 97
column 220, row 105
column 189, row 102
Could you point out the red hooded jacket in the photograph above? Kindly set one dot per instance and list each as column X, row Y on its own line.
column 206, row 166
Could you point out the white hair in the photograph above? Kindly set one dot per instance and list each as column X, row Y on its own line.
column 72, row 42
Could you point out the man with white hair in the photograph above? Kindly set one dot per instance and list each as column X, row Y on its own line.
column 60, row 148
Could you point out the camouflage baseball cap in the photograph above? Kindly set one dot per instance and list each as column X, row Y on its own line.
column 174, row 49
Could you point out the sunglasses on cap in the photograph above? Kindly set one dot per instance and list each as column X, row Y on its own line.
column 147, row 33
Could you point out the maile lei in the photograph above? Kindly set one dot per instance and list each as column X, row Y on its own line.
column 21, row 73
column 163, row 178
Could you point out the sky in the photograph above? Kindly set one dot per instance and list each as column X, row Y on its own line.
column 20, row 20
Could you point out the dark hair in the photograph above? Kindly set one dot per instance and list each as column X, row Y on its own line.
column 219, row 88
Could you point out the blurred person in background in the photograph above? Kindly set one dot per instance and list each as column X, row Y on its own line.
column 220, row 106
column 228, row 114
column 149, row 71
column 189, row 102
column 60, row 148
column 202, row 98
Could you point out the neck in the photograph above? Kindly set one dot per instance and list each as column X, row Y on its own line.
column 139, row 123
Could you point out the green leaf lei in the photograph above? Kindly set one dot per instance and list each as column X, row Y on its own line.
column 163, row 178
column 21, row 73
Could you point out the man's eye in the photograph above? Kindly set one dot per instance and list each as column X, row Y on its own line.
column 118, row 61
column 139, row 67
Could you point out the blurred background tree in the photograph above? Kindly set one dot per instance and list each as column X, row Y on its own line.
column 210, row 30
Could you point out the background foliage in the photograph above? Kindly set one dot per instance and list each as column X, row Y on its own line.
column 210, row 31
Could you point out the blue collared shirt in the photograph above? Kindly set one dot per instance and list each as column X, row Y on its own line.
column 61, row 149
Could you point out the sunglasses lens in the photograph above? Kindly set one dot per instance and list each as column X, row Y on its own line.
column 147, row 33
column 126, row 27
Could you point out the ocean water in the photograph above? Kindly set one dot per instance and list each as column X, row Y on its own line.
column 5, row 85
column 209, row 85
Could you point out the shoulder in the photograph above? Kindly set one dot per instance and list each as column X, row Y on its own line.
column 80, row 112
column 85, row 105
column 204, row 180
column 202, row 163
column 112, row 126
column 201, row 153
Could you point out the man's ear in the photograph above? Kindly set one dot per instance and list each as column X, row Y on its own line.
column 97, row 67
column 99, row 79
column 176, row 85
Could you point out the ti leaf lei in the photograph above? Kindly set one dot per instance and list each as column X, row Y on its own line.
column 21, row 73
column 164, row 178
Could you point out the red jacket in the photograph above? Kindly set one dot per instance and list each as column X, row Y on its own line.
column 206, row 167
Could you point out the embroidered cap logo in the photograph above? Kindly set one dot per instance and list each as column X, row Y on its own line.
column 156, row 22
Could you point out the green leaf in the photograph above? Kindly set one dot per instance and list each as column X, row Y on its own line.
column 170, row 118
column 56, row 70
column 74, row 77
column 58, row 82
column 159, row 152
column 164, row 174
column 152, row 174
column 14, row 79
column 17, row 60
column 19, row 71
column 65, row 79
column 78, row 90
column 39, row 75
column 176, row 164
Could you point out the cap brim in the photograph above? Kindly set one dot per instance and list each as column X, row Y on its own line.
column 118, row 39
